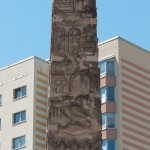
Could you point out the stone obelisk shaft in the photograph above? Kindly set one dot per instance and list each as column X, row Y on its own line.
column 74, row 121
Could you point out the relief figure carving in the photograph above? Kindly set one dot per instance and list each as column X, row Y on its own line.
column 74, row 41
column 61, row 86
column 59, row 41
column 89, row 6
column 90, row 34
column 90, row 64
column 70, row 22
column 90, row 40
column 57, row 68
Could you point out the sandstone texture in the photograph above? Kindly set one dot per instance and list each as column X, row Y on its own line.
column 74, row 118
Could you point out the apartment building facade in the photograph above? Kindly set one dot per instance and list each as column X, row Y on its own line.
column 125, row 95
column 23, row 105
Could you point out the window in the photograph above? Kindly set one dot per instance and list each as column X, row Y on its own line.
column 0, row 123
column 108, row 121
column 110, row 68
column 19, row 142
column 108, row 145
column 19, row 117
column 107, row 68
column 102, row 67
column 110, row 93
column 20, row 92
column 0, row 100
column 107, row 94
column 103, row 92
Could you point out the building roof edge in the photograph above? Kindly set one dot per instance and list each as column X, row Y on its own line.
column 106, row 41
column 19, row 62
column 118, row 37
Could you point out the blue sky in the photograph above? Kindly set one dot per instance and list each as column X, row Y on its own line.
column 25, row 26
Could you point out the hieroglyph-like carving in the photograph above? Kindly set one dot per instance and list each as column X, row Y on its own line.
column 59, row 40
column 74, row 41
column 74, row 116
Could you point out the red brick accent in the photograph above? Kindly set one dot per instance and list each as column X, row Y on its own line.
column 109, row 134
column 135, row 101
column 137, row 139
column 136, row 124
column 138, row 147
column 133, row 79
column 136, row 95
column 135, row 87
column 108, row 107
column 135, row 66
column 137, row 110
column 135, row 73
column 109, row 81
column 134, row 115
column 136, row 131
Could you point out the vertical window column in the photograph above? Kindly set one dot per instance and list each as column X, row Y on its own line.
column 108, row 145
column 108, row 121
column 107, row 94
column 102, row 68
column 110, row 68
column 107, row 68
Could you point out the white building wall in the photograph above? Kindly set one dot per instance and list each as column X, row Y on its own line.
column 12, row 77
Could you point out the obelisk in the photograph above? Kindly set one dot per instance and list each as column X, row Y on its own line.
column 74, row 118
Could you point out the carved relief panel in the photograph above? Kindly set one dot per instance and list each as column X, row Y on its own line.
column 57, row 69
column 88, row 7
column 90, row 40
column 64, row 5
column 60, row 86
column 74, row 41
column 59, row 41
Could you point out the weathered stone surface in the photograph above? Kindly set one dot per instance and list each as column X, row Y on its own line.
column 74, row 107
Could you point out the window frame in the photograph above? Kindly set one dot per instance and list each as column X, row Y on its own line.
column 107, row 144
column 20, row 146
column 106, row 72
column 106, row 123
column 107, row 95
column 104, row 65
column 20, row 118
column 20, row 97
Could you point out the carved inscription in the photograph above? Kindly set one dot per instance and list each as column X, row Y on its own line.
column 90, row 41
column 70, row 22
column 74, row 41
column 64, row 5
column 59, row 41
column 60, row 86
column 57, row 68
